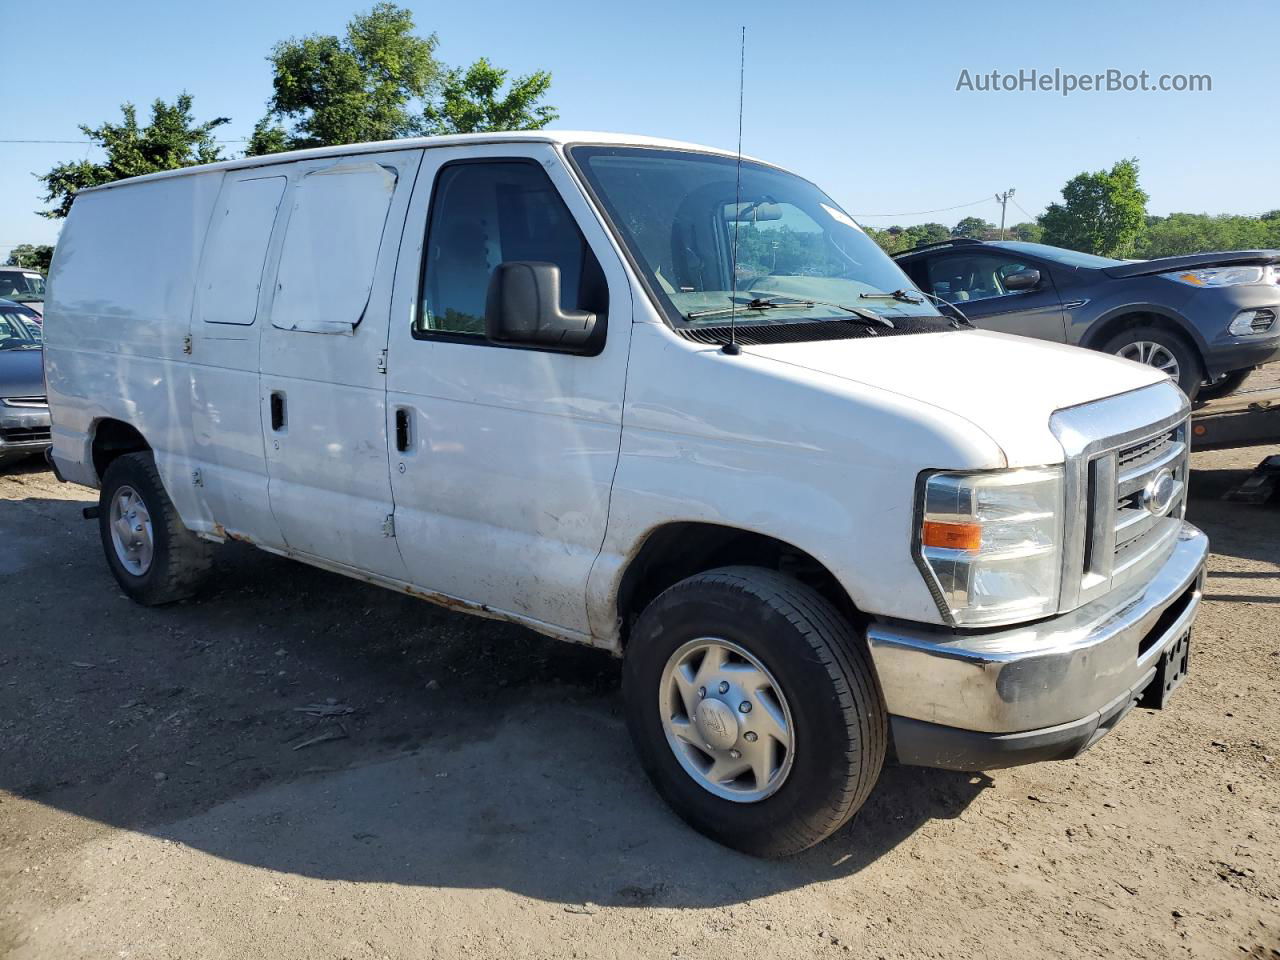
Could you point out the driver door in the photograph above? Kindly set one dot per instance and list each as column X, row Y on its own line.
column 502, row 456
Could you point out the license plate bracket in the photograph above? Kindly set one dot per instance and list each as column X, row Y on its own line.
column 1170, row 673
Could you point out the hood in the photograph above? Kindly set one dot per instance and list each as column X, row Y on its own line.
column 21, row 373
column 1191, row 261
column 1005, row 385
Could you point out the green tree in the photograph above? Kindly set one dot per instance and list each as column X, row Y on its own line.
column 887, row 240
column 974, row 227
column 1026, row 232
column 923, row 233
column 332, row 90
column 1201, row 233
column 34, row 256
column 470, row 102
column 172, row 139
column 381, row 81
column 1104, row 212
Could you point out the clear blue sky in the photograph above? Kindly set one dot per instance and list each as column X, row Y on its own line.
column 858, row 96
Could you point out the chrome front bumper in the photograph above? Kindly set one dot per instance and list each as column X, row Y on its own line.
column 970, row 700
column 23, row 429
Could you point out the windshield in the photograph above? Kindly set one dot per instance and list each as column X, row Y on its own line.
column 21, row 287
column 16, row 333
column 677, row 214
column 1068, row 258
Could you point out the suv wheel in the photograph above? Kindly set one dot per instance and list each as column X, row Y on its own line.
column 153, row 556
column 1163, row 349
column 754, row 709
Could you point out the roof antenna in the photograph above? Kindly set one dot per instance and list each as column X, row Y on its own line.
column 732, row 348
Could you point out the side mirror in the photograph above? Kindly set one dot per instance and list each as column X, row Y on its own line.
column 523, row 306
column 1022, row 280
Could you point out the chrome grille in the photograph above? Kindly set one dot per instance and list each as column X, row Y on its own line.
column 25, row 434
column 1137, row 532
column 1146, row 451
column 1115, row 447
column 26, row 401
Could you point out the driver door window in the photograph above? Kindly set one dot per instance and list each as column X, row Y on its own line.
column 975, row 283
column 487, row 213
column 968, row 277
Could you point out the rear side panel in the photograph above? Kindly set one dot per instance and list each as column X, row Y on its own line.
column 121, row 289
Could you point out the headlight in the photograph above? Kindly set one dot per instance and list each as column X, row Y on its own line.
column 1217, row 276
column 991, row 543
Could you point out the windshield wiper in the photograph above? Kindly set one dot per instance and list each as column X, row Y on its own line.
column 757, row 304
column 774, row 303
column 901, row 295
column 947, row 304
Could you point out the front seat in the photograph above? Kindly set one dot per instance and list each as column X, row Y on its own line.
column 958, row 293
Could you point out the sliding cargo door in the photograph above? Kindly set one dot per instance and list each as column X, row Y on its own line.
column 323, row 387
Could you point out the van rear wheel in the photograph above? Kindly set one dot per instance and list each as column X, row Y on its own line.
column 754, row 709
column 153, row 556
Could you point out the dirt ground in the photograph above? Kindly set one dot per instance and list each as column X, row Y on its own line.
column 162, row 794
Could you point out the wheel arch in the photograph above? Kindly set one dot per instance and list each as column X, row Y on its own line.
column 1142, row 314
column 112, row 438
column 673, row 551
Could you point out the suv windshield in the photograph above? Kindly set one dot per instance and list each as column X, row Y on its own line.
column 677, row 214
column 16, row 333
column 21, row 287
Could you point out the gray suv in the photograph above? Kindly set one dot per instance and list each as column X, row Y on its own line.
column 1206, row 319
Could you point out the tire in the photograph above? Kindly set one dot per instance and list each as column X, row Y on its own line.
column 1190, row 369
column 836, row 715
column 178, row 559
column 1225, row 385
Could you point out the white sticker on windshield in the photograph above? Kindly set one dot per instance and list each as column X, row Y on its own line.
column 840, row 217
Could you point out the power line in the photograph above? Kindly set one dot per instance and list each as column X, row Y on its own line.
column 917, row 213
column 1024, row 212
column 92, row 142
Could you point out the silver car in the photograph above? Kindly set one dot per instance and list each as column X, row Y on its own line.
column 23, row 285
column 24, row 411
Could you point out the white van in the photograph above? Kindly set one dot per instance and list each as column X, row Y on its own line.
column 600, row 386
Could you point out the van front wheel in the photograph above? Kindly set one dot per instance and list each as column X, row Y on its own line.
column 153, row 556
column 754, row 709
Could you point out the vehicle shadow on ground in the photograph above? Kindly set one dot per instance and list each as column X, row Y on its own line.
column 475, row 753
column 1245, row 530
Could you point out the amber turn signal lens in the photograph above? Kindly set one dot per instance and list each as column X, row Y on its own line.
column 953, row 536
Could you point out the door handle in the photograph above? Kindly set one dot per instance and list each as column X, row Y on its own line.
column 279, row 412
column 404, row 436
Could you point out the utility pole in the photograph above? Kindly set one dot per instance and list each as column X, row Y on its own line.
column 1003, row 200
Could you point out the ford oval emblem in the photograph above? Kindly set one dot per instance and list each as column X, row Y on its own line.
column 1157, row 496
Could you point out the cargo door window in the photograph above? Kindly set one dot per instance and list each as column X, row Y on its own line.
column 331, row 248
column 235, row 250
column 491, row 212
